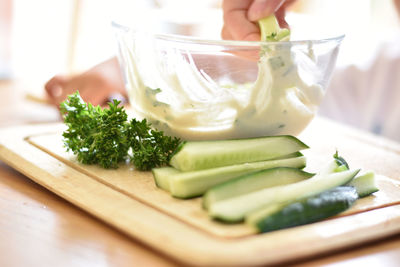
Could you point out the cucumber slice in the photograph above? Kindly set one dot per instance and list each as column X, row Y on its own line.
column 365, row 184
column 196, row 183
column 234, row 209
column 308, row 210
column 198, row 155
column 163, row 175
column 254, row 181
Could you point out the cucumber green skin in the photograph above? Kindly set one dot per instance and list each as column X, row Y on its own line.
column 341, row 168
column 235, row 209
column 252, row 182
column 196, row 183
column 309, row 210
column 338, row 164
column 341, row 162
column 291, row 155
column 368, row 192
column 198, row 155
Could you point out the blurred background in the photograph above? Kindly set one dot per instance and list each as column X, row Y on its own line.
column 41, row 38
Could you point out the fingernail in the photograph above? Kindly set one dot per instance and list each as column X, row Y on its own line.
column 258, row 9
column 263, row 8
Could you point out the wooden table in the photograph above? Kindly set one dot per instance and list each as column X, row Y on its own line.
column 38, row 228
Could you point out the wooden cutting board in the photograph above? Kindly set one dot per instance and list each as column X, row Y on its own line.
column 129, row 200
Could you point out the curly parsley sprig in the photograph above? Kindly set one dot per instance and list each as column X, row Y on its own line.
column 106, row 137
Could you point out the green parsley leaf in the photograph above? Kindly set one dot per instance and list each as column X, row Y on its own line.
column 106, row 137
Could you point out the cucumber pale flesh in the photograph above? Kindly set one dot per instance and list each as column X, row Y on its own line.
column 271, row 31
column 196, row 183
column 163, row 175
column 254, row 181
column 365, row 184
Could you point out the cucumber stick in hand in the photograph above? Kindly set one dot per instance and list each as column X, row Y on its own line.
column 271, row 31
column 199, row 155
column 236, row 208
column 196, row 183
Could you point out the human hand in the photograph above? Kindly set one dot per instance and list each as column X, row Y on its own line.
column 95, row 86
column 241, row 16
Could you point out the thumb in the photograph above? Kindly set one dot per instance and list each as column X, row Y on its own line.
column 263, row 8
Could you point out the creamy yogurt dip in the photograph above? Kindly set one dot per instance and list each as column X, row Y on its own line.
column 170, row 91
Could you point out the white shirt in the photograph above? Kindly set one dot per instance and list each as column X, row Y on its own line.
column 368, row 96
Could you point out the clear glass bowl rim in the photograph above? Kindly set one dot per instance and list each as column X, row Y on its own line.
column 197, row 40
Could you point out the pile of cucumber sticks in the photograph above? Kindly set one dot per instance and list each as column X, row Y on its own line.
column 261, row 181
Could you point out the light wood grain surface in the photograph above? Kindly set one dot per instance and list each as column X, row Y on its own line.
column 38, row 228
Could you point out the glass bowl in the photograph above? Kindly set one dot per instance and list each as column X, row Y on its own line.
column 199, row 89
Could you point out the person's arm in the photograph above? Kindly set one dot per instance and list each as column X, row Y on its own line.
column 96, row 85
column 240, row 17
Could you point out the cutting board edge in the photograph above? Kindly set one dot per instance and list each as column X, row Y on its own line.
column 244, row 247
